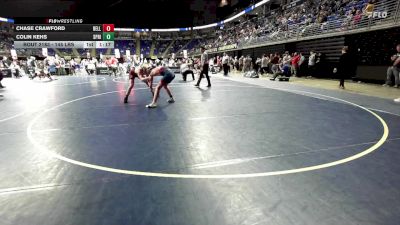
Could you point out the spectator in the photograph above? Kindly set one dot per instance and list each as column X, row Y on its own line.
column 320, row 64
column 91, row 67
column 236, row 63
column 302, row 65
column 311, row 63
column 72, row 66
column 6, row 63
column 275, row 63
column 1, row 76
column 369, row 8
column 286, row 59
column 283, row 70
column 231, row 64
column 356, row 18
column 247, row 64
column 218, row 62
column 295, row 63
column 264, row 64
column 225, row 64
column 394, row 69
column 241, row 61
column 15, row 69
column 345, row 66
column 185, row 70
column 257, row 65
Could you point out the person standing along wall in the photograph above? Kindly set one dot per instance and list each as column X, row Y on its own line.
column 295, row 64
column 225, row 65
column 311, row 64
column 264, row 64
column 302, row 68
column 1, row 76
column 394, row 69
column 345, row 66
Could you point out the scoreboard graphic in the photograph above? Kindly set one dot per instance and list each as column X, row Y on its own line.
column 63, row 33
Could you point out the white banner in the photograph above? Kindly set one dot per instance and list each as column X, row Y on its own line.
column 117, row 53
column 128, row 53
column 14, row 54
column 227, row 47
column 45, row 52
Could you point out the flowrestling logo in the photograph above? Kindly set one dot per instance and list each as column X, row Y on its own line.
column 55, row 21
column 378, row 14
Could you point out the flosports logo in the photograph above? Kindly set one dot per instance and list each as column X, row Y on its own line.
column 379, row 15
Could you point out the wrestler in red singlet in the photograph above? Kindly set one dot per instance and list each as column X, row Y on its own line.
column 139, row 73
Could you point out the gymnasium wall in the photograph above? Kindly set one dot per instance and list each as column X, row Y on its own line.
column 371, row 52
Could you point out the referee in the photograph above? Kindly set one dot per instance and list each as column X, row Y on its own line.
column 204, row 64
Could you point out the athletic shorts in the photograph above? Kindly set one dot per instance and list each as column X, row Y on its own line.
column 168, row 77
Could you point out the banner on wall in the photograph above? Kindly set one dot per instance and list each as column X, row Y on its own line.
column 211, row 50
column 45, row 52
column 222, row 48
column 185, row 54
column 14, row 54
column 117, row 53
column 293, row 4
column 227, row 47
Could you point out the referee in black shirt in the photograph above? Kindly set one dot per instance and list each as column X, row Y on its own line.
column 204, row 64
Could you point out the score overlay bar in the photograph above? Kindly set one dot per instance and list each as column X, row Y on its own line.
column 60, row 36
column 63, row 44
column 59, row 28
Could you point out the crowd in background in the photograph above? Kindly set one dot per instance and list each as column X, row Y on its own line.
column 298, row 65
column 310, row 16
column 56, row 65
column 6, row 39
column 294, row 64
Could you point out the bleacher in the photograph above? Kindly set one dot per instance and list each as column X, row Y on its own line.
column 161, row 47
column 51, row 52
column 193, row 44
column 100, row 51
column 125, row 44
column 145, row 47
column 65, row 51
column 82, row 52
column 178, row 45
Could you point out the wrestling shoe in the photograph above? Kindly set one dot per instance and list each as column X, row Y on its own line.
column 150, row 106
column 171, row 100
